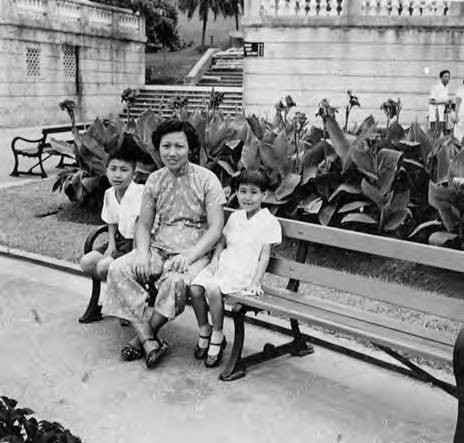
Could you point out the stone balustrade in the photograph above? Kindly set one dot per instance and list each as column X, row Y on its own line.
column 82, row 15
column 282, row 10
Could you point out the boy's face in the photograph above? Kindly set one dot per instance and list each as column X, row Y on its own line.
column 119, row 173
column 250, row 198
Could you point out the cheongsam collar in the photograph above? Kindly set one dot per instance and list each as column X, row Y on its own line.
column 182, row 171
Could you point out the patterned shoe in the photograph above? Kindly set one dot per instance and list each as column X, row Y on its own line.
column 155, row 355
column 130, row 352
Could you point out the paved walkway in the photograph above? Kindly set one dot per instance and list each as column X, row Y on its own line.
column 72, row 373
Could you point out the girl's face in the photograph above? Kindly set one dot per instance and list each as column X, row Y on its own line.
column 119, row 173
column 174, row 150
column 250, row 198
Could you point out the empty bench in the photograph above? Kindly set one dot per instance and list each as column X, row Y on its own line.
column 397, row 338
column 39, row 149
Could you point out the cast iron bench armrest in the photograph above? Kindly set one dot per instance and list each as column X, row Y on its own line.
column 92, row 237
column 13, row 142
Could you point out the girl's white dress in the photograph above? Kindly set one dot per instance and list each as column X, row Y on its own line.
column 238, row 262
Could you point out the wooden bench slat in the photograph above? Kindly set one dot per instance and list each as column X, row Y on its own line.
column 354, row 327
column 363, row 315
column 370, row 288
column 429, row 255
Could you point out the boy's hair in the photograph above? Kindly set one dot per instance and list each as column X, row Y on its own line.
column 174, row 125
column 256, row 177
column 445, row 71
column 127, row 151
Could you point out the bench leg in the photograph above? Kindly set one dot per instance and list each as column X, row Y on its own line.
column 93, row 311
column 61, row 164
column 458, row 366
column 235, row 368
column 14, row 172
column 301, row 346
column 44, row 174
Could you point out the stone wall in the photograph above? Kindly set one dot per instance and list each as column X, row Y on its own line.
column 378, row 49
column 56, row 49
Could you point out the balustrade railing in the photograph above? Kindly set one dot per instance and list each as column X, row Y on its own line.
column 82, row 13
column 320, row 8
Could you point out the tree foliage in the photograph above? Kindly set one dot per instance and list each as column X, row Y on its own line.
column 160, row 18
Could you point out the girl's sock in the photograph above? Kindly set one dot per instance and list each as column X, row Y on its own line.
column 216, row 342
column 205, row 331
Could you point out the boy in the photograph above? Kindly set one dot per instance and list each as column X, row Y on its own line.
column 121, row 208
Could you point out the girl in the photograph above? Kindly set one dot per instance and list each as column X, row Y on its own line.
column 238, row 263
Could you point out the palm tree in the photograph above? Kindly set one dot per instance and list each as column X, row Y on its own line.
column 223, row 7
column 237, row 10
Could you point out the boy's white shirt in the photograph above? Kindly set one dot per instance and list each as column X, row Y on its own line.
column 123, row 213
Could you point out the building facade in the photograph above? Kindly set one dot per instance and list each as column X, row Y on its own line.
column 379, row 49
column 51, row 50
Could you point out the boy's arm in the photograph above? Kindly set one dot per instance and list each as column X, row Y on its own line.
column 263, row 262
column 112, row 229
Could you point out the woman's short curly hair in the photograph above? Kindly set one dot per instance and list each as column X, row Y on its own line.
column 174, row 125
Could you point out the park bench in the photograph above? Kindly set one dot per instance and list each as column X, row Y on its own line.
column 397, row 338
column 40, row 149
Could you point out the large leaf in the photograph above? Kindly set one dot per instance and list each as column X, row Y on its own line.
column 365, row 160
column 442, row 238
column 287, row 186
column 250, row 151
column 346, row 187
column 359, row 218
column 387, row 164
column 424, row 225
column 198, row 120
column 313, row 206
column 352, row 206
column 456, row 170
column 338, row 139
column 275, row 156
column 439, row 160
column 325, row 214
column 394, row 219
column 311, row 159
column 228, row 168
column 63, row 147
column 373, row 193
column 147, row 123
column 443, row 199
column 257, row 126
column 416, row 134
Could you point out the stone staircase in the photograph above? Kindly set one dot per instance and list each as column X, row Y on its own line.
column 226, row 69
column 159, row 98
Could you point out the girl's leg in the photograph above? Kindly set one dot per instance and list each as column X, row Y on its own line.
column 200, row 307
column 89, row 263
column 218, row 342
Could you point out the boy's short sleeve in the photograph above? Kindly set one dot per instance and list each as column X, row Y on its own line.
column 273, row 231
column 109, row 214
column 229, row 224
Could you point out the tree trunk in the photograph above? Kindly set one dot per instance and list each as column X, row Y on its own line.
column 236, row 19
column 203, row 32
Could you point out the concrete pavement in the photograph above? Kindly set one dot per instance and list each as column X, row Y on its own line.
column 72, row 373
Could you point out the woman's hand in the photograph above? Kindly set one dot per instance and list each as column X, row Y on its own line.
column 141, row 266
column 178, row 263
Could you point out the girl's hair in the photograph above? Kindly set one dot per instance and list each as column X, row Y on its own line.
column 175, row 125
column 127, row 151
column 256, row 177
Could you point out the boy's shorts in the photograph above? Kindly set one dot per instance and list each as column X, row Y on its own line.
column 123, row 246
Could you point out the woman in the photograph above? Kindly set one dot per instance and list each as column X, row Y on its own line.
column 184, row 201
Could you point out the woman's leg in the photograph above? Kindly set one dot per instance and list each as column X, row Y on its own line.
column 89, row 263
